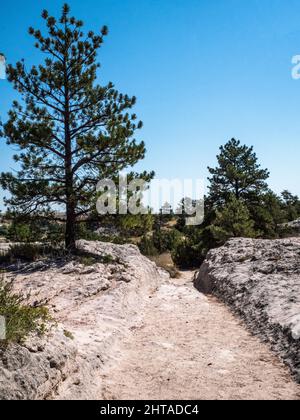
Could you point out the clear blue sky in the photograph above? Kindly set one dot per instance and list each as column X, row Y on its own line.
column 203, row 71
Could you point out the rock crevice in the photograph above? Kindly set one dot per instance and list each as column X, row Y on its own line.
column 260, row 281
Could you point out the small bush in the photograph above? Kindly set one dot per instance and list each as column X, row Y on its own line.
column 166, row 240
column 21, row 319
column 117, row 240
column 134, row 225
column 3, row 231
column 68, row 334
column 188, row 255
column 24, row 252
column 31, row 252
column 147, row 247
column 88, row 259
column 35, row 230
column 165, row 262
column 83, row 232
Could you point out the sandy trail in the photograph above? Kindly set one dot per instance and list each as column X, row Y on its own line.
column 188, row 346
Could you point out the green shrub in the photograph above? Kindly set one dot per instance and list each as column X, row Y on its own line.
column 24, row 252
column 19, row 232
column 21, row 319
column 31, row 252
column 147, row 246
column 166, row 240
column 35, row 230
column 117, row 240
column 83, row 232
column 68, row 334
column 55, row 234
column 3, row 231
column 88, row 259
column 188, row 255
column 134, row 225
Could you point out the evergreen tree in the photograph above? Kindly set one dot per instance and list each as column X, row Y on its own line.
column 291, row 205
column 238, row 173
column 268, row 214
column 233, row 222
column 70, row 131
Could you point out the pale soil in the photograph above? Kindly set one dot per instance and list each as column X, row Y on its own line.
column 188, row 346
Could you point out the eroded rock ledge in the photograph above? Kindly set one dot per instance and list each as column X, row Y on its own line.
column 260, row 280
column 94, row 307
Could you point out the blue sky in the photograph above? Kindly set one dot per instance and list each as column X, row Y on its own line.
column 204, row 71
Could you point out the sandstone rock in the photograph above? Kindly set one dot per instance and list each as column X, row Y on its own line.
column 260, row 280
column 35, row 371
column 96, row 305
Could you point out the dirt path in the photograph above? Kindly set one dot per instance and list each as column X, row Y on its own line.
column 188, row 346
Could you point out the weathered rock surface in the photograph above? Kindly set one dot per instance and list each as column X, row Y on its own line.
column 260, row 280
column 93, row 305
column 188, row 346
column 35, row 370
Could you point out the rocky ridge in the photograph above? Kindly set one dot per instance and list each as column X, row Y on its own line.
column 93, row 305
column 260, row 281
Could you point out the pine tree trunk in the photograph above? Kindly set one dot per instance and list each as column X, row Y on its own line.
column 70, row 228
column 70, row 238
column 70, row 234
column 70, row 204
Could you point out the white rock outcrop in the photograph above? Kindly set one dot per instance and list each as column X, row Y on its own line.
column 33, row 371
column 94, row 306
column 260, row 280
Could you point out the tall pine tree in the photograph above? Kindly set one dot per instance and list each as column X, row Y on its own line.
column 70, row 132
column 238, row 173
